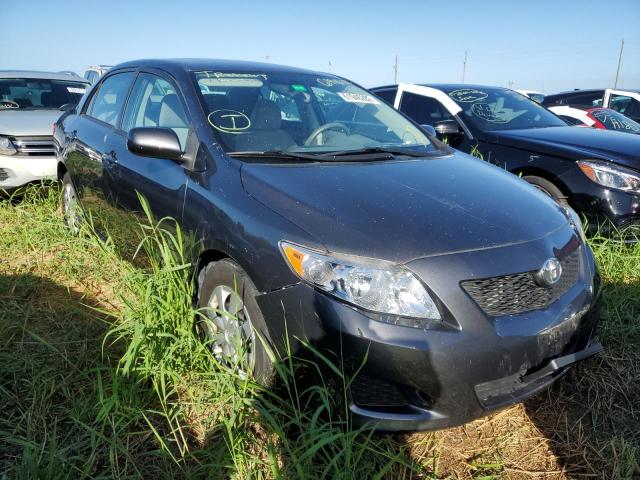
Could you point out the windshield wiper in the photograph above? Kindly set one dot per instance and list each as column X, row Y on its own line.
column 369, row 153
column 275, row 154
column 390, row 151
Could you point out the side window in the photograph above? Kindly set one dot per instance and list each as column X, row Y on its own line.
column 572, row 121
column 584, row 99
column 626, row 105
column 106, row 105
column 155, row 103
column 388, row 96
column 423, row 110
column 287, row 105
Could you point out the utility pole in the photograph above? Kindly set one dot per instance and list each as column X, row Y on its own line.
column 615, row 85
column 464, row 66
column 395, row 70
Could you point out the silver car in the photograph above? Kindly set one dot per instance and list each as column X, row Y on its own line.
column 30, row 103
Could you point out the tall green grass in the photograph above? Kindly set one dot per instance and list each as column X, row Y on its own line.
column 103, row 375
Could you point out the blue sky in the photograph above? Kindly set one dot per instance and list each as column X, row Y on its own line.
column 543, row 45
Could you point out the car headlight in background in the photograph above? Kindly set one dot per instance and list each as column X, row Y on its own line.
column 611, row 176
column 376, row 286
column 6, row 147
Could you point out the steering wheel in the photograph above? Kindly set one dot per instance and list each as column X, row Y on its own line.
column 9, row 104
column 323, row 128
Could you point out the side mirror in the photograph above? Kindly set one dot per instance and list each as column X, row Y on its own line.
column 67, row 107
column 429, row 129
column 447, row 127
column 154, row 142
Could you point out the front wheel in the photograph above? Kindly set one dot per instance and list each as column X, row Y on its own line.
column 545, row 186
column 232, row 324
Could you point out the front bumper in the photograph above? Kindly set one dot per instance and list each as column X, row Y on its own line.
column 605, row 208
column 459, row 369
column 19, row 170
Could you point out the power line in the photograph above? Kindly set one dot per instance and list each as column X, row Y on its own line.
column 615, row 84
column 395, row 70
column 464, row 66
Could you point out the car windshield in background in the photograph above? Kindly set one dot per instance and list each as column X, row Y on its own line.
column 537, row 97
column 613, row 120
column 492, row 109
column 38, row 93
column 304, row 114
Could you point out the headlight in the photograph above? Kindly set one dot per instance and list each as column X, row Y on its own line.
column 6, row 147
column 611, row 176
column 377, row 286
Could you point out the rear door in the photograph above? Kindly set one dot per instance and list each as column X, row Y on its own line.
column 87, row 137
column 154, row 102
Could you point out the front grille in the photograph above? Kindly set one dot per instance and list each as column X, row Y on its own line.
column 519, row 293
column 3, row 174
column 34, row 146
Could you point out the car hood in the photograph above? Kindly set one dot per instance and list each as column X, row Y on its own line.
column 574, row 143
column 27, row 122
column 404, row 210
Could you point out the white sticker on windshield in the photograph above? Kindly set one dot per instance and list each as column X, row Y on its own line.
column 331, row 82
column 468, row 95
column 358, row 98
column 76, row 90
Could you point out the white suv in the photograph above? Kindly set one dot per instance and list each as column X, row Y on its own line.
column 30, row 103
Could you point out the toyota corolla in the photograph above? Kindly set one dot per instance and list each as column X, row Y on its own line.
column 321, row 213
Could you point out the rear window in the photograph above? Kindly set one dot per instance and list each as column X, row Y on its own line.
column 38, row 93
column 613, row 120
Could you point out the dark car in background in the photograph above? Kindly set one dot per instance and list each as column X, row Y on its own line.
column 626, row 102
column 595, row 172
column 318, row 212
column 576, row 98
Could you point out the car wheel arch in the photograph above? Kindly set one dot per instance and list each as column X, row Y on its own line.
column 61, row 170
column 536, row 172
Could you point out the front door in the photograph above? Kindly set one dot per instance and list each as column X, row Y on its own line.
column 153, row 102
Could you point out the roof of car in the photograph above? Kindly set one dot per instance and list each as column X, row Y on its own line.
column 444, row 86
column 577, row 91
column 205, row 64
column 42, row 75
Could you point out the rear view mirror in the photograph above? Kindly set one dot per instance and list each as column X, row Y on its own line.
column 429, row 129
column 154, row 142
column 447, row 127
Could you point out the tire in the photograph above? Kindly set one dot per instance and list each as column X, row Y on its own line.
column 71, row 209
column 224, row 279
column 549, row 188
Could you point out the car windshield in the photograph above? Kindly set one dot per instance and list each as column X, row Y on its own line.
column 303, row 114
column 490, row 109
column 38, row 93
column 613, row 120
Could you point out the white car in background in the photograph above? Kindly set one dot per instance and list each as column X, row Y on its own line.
column 533, row 95
column 30, row 103
column 94, row 72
